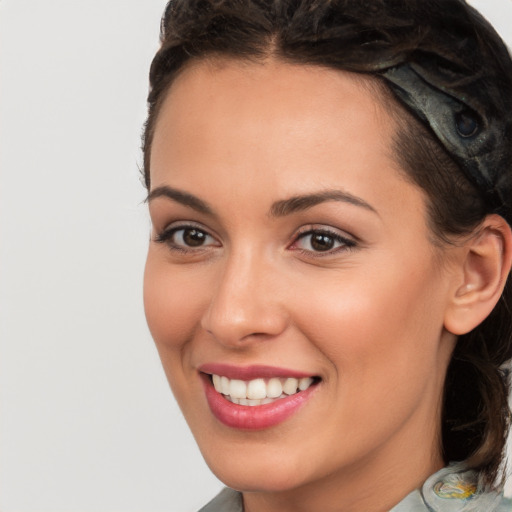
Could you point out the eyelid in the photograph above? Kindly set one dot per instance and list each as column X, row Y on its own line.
column 166, row 234
column 348, row 242
column 183, row 224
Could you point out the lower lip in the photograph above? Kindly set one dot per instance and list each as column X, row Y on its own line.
column 256, row 417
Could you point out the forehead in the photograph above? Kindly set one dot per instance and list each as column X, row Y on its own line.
column 227, row 102
column 242, row 136
column 206, row 83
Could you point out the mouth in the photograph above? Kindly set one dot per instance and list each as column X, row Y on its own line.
column 260, row 391
column 259, row 402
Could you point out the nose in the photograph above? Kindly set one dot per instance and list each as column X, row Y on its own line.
column 246, row 303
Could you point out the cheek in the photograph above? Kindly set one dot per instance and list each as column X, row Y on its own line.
column 377, row 330
column 173, row 301
column 382, row 347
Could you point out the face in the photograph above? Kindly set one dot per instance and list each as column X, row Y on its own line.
column 290, row 266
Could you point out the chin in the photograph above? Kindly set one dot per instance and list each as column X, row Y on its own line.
column 262, row 465
column 255, row 477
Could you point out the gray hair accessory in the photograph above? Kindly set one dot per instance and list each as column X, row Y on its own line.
column 473, row 136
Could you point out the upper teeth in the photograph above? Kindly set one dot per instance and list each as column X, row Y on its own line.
column 259, row 389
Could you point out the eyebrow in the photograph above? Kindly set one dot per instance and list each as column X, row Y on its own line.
column 306, row 201
column 278, row 209
column 181, row 197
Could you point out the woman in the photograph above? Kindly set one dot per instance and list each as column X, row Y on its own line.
column 329, row 186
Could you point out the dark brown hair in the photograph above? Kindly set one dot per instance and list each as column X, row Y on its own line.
column 358, row 36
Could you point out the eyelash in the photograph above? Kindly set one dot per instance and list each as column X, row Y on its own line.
column 167, row 235
column 345, row 243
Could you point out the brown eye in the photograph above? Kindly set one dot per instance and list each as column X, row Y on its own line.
column 322, row 241
column 186, row 237
column 194, row 237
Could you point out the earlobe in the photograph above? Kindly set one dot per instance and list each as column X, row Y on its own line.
column 484, row 268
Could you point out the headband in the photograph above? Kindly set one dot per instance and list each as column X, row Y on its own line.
column 473, row 137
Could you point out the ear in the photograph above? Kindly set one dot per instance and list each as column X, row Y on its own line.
column 482, row 272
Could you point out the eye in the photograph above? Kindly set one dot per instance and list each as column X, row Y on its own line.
column 191, row 237
column 186, row 238
column 321, row 241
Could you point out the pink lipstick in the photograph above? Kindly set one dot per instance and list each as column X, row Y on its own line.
column 255, row 397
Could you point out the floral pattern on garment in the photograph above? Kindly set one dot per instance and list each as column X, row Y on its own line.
column 455, row 487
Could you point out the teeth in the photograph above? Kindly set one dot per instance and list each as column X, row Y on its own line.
column 274, row 388
column 259, row 391
column 217, row 383
column 256, row 389
column 290, row 386
column 305, row 383
column 237, row 389
column 224, row 385
column 252, row 403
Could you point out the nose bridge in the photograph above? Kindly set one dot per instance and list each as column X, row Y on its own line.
column 244, row 304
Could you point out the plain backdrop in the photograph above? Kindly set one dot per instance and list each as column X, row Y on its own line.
column 87, row 422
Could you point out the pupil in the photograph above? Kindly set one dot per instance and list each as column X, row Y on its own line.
column 193, row 237
column 321, row 242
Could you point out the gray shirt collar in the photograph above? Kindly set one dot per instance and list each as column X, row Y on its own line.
column 451, row 489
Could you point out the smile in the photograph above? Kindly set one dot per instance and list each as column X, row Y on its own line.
column 259, row 391
column 255, row 398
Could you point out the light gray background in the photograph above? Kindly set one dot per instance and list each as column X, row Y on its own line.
column 87, row 421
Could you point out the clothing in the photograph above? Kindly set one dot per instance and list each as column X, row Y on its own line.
column 451, row 489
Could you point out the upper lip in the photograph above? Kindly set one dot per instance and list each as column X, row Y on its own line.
column 250, row 372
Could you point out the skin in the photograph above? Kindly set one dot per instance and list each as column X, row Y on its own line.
column 368, row 318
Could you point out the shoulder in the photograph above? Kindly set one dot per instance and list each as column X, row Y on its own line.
column 227, row 500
